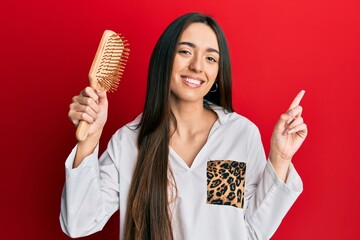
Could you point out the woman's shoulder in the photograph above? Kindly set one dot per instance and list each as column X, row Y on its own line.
column 130, row 129
column 234, row 119
column 242, row 124
column 239, row 118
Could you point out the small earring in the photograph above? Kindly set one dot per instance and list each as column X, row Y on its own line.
column 216, row 87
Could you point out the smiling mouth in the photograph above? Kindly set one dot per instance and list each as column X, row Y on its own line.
column 193, row 81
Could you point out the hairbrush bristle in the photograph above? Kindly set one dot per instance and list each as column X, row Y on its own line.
column 112, row 62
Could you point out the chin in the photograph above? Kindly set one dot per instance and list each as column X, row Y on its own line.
column 191, row 98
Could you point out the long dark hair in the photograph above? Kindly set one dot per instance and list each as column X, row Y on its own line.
column 147, row 213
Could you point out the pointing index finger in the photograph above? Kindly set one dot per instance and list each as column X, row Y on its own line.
column 297, row 99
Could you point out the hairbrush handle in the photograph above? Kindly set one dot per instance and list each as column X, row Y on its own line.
column 106, row 70
column 82, row 131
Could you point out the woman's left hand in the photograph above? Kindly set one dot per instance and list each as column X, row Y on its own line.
column 289, row 133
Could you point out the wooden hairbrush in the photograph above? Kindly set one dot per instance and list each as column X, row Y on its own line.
column 106, row 69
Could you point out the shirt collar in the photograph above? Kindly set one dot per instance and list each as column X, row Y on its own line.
column 223, row 114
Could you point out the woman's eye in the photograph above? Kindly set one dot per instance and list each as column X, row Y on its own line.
column 184, row 51
column 211, row 59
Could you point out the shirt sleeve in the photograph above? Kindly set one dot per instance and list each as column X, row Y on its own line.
column 269, row 198
column 91, row 192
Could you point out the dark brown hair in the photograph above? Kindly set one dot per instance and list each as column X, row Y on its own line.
column 147, row 213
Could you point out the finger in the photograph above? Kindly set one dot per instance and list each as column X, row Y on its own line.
column 293, row 114
column 297, row 121
column 86, row 101
column 300, row 129
column 84, row 117
column 71, row 116
column 102, row 96
column 89, row 92
column 84, row 108
column 289, row 116
column 297, row 99
column 76, row 117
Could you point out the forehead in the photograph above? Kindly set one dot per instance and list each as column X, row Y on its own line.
column 201, row 35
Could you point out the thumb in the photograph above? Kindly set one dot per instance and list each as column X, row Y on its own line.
column 102, row 96
column 282, row 123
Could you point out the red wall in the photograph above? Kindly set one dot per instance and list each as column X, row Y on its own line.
column 277, row 48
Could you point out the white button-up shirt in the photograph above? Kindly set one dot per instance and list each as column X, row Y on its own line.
column 229, row 192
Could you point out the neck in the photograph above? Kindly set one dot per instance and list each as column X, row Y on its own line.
column 189, row 116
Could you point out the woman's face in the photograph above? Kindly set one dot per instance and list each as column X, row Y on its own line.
column 196, row 64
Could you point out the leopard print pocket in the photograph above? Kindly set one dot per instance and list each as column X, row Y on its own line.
column 226, row 183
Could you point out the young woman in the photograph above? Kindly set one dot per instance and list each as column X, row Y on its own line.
column 188, row 167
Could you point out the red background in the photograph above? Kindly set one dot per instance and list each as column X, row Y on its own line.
column 277, row 48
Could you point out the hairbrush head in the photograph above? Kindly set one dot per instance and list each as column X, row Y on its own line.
column 106, row 69
column 109, row 62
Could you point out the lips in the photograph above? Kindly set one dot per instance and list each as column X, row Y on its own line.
column 192, row 81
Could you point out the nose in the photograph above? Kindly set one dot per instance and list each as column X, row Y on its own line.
column 196, row 64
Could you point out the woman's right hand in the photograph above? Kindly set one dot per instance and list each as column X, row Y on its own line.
column 90, row 106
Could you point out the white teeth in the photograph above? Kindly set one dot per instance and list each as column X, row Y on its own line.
column 193, row 81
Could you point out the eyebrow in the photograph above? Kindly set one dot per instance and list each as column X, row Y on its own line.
column 194, row 46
